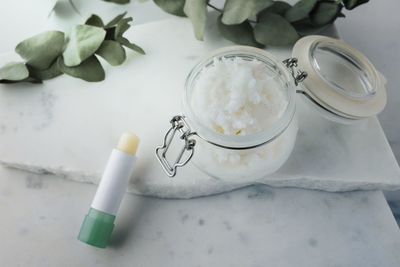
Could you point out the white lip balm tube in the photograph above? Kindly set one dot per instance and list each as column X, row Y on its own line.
column 98, row 224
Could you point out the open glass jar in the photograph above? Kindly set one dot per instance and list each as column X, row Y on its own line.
column 351, row 90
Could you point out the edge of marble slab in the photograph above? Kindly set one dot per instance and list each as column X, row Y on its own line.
column 214, row 186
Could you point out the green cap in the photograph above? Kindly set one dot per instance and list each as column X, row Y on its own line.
column 96, row 228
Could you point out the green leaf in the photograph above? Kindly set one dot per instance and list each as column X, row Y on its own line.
column 89, row 70
column 112, row 52
column 241, row 33
column 83, row 41
column 237, row 11
column 13, row 71
column 196, row 10
column 115, row 20
column 47, row 74
column 174, row 7
column 273, row 29
column 278, row 7
column 121, row 2
column 41, row 50
column 125, row 42
column 300, row 10
column 305, row 27
column 27, row 80
column 122, row 26
column 95, row 20
column 325, row 12
column 350, row 4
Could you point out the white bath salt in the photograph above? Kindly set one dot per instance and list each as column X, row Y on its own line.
column 235, row 96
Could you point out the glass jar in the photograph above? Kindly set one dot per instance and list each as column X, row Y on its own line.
column 232, row 157
column 336, row 80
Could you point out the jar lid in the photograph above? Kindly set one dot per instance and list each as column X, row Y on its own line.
column 340, row 78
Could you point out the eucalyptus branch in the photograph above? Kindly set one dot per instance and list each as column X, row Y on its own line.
column 277, row 23
column 50, row 54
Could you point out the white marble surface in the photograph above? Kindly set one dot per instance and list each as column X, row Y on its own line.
column 41, row 216
column 255, row 226
column 79, row 123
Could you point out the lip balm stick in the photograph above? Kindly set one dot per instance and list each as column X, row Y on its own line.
column 98, row 224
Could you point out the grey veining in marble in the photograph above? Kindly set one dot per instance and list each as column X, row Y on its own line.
column 254, row 226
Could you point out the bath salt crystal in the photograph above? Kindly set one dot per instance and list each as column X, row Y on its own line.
column 236, row 96
column 239, row 96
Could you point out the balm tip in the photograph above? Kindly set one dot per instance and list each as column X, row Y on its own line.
column 128, row 143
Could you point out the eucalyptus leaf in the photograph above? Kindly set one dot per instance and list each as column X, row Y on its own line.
column 41, row 50
column 273, row 29
column 89, row 70
column 122, row 26
column 307, row 28
column 47, row 74
column 324, row 13
column 196, row 10
column 112, row 52
column 27, row 80
column 278, row 7
column 115, row 20
column 300, row 10
column 125, row 42
column 237, row 11
column 241, row 33
column 95, row 20
column 83, row 41
column 121, row 2
column 174, row 7
column 350, row 4
column 13, row 71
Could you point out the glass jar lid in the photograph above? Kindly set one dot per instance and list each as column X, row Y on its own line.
column 340, row 78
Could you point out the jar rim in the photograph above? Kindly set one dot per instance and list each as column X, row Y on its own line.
column 245, row 141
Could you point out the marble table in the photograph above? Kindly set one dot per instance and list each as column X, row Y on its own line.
column 255, row 226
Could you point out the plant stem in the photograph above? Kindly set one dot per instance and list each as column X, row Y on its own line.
column 214, row 7
column 74, row 7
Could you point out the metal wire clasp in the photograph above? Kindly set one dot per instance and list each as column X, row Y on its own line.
column 178, row 124
column 298, row 75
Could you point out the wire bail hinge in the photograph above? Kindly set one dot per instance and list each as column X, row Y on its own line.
column 298, row 75
column 178, row 124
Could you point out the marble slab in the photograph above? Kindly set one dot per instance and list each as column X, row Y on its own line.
column 68, row 127
column 255, row 226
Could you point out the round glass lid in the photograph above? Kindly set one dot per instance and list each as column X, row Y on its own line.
column 342, row 71
column 340, row 78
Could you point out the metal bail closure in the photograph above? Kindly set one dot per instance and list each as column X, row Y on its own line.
column 178, row 124
column 298, row 75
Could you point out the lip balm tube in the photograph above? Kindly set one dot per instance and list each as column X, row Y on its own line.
column 98, row 224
